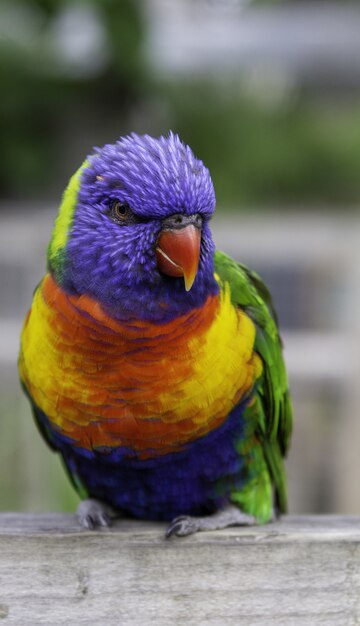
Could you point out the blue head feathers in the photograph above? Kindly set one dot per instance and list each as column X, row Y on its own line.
column 125, row 193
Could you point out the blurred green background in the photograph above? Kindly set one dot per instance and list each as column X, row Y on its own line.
column 78, row 74
column 267, row 94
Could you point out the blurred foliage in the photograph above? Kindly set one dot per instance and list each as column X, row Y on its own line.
column 46, row 95
column 54, row 108
column 300, row 152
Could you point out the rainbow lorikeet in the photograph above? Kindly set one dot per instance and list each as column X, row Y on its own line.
column 152, row 361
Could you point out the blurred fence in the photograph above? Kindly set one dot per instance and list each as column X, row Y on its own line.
column 284, row 42
column 311, row 264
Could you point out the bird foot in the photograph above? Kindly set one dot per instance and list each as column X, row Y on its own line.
column 92, row 513
column 229, row 516
column 182, row 526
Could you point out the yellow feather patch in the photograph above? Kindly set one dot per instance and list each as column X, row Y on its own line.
column 225, row 367
column 65, row 215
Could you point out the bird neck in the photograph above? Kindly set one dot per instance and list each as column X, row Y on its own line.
column 163, row 302
column 159, row 302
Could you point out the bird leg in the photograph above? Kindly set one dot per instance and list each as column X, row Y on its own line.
column 92, row 513
column 229, row 516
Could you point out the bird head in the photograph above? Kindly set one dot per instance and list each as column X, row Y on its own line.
column 132, row 230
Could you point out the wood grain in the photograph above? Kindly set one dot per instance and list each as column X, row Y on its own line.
column 298, row 571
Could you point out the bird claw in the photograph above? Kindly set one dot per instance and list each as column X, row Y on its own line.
column 92, row 513
column 182, row 526
column 230, row 515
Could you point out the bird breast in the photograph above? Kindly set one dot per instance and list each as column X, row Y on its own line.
column 150, row 387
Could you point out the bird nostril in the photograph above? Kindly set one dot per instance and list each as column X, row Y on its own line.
column 179, row 221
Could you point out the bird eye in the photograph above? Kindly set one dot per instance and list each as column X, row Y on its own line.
column 120, row 211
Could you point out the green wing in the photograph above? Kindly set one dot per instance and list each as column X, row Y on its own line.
column 272, row 410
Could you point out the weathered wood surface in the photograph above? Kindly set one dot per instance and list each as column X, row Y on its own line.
column 300, row 571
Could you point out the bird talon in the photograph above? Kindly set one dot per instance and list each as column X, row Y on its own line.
column 104, row 520
column 92, row 513
column 181, row 527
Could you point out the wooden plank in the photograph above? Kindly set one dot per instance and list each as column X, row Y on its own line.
column 298, row 571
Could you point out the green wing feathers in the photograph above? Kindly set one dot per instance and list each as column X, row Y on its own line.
column 270, row 414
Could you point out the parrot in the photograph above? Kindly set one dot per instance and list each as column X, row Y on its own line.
column 153, row 361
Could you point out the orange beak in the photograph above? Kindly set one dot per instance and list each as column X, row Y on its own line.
column 178, row 253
